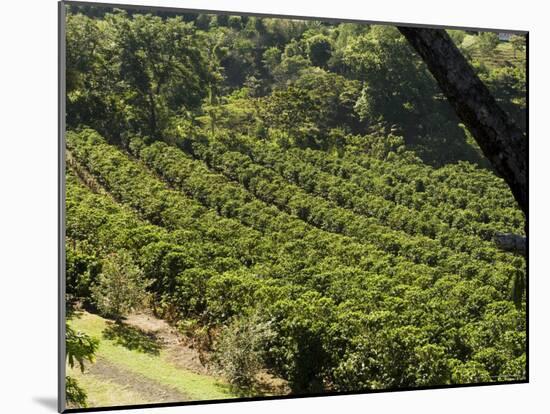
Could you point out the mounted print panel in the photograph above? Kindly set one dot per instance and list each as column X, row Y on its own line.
column 262, row 207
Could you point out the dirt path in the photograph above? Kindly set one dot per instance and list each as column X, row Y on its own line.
column 183, row 356
column 175, row 345
column 150, row 390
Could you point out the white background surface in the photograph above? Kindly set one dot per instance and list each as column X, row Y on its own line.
column 28, row 205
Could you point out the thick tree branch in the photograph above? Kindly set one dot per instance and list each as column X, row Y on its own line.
column 502, row 142
column 511, row 243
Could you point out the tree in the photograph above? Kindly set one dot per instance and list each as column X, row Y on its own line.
column 289, row 69
column 74, row 395
column 509, row 88
column 487, row 42
column 286, row 109
column 398, row 90
column 81, row 271
column 240, row 350
column 271, row 59
column 92, row 76
column 79, row 348
column 161, row 62
column 518, row 43
column 334, row 97
column 319, row 50
column 501, row 141
column 133, row 73
column 121, row 286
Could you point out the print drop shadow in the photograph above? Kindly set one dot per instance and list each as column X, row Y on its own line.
column 48, row 402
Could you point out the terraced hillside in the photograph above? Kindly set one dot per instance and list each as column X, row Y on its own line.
column 239, row 238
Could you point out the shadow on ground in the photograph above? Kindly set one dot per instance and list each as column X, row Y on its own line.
column 263, row 384
column 132, row 338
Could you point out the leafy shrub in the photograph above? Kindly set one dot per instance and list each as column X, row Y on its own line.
column 79, row 348
column 240, row 350
column 74, row 395
column 121, row 286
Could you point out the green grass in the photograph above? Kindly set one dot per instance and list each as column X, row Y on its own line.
column 105, row 393
column 154, row 367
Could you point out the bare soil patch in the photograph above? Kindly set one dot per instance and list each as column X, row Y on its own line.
column 149, row 389
column 176, row 345
column 183, row 355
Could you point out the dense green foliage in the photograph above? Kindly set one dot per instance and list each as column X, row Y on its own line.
column 240, row 350
column 310, row 265
column 301, row 82
column 121, row 287
column 75, row 395
column 275, row 181
column 79, row 349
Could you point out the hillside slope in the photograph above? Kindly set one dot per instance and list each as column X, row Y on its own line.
column 135, row 366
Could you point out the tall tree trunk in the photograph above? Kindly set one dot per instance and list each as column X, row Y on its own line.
column 152, row 114
column 502, row 142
